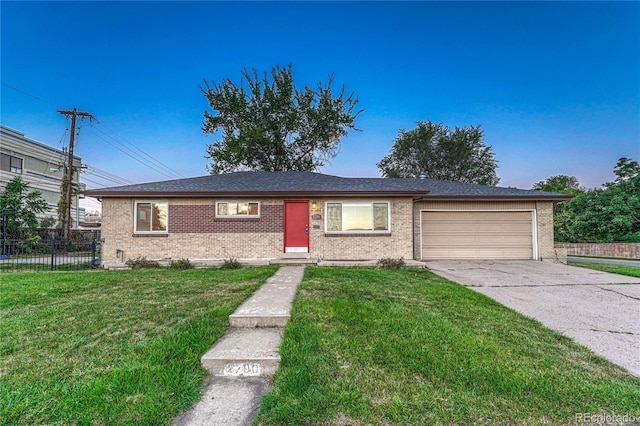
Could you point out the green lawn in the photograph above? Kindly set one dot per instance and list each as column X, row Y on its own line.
column 369, row 346
column 108, row 348
column 631, row 271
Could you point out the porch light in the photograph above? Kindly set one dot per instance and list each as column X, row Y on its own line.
column 314, row 205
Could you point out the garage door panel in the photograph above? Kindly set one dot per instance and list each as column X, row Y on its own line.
column 479, row 253
column 477, row 235
column 478, row 241
column 467, row 230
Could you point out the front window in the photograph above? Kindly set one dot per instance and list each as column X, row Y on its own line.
column 9, row 163
column 357, row 217
column 151, row 217
column 237, row 209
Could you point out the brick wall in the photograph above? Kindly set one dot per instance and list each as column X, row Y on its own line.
column 546, row 246
column 395, row 244
column 209, row 238
column 196, row 234
column 623, row 250
column 202, row 219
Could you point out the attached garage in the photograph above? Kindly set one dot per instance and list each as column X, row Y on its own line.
column 477, row 235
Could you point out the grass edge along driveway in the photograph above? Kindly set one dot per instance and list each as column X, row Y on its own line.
column 111, row 347
column 631, row 271
column 367, row 346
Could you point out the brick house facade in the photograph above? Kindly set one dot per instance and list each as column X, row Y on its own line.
column 196, row 218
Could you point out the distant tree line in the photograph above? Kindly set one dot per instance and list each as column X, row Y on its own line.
column 601, row 215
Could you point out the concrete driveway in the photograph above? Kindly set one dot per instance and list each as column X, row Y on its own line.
column 596, row 309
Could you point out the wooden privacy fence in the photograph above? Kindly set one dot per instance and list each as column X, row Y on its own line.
column 626, row 250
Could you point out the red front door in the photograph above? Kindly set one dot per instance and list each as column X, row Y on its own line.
column 296, row 226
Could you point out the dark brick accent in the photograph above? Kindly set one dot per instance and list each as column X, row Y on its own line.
column 202, row 219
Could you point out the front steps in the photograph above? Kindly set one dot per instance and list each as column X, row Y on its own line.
column 250, row 346
column 245, row 352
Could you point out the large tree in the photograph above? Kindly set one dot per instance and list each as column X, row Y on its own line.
column 437, row 152
column 21, row 206
column 267, row 123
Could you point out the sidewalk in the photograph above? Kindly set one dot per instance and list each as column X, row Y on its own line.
column 241, row 362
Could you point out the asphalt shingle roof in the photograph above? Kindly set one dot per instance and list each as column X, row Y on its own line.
column 309, row 183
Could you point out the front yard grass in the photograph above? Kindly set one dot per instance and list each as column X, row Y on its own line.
column 106, row 348
column 407, row 347
column 631, row 271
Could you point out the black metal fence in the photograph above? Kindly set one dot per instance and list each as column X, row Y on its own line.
column 47, row 251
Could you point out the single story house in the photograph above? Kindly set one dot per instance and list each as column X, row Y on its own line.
column 265, row 215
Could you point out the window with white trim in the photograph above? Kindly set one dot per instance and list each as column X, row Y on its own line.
column 151, row 217
column 239, row 209
column 356, row 216
column 9, row 163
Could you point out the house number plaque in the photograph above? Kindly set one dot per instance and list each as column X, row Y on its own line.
column 242, row 369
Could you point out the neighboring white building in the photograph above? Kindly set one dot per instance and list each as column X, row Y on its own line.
column 39, row 165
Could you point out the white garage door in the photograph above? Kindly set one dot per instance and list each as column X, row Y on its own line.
column 477, row 235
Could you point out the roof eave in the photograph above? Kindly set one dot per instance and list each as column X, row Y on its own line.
column 559, row 197
column 246, row 194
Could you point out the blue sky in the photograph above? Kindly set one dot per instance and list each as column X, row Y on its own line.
column 555, row 86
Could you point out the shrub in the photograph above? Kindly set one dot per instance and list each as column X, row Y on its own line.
column 231, row 264
column 141, row 262
column 389, row 263
column 181, row 264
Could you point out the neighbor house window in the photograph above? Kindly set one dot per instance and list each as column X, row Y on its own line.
column 357, row 217
column 9, row 163
column 151, row 217
column 237, row 209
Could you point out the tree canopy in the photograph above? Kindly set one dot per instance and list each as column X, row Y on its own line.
column 562, row 212
column 437, row 152
column 560, row 183
column 601, row 215
column 267, row 123
column 21, row 206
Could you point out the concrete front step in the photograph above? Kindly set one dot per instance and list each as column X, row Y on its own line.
column 259, row 321
column 286, row 261
column 294, row 255
column 243, row 352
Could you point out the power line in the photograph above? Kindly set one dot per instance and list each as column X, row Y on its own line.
column 94, row 182
column 91, row 170
column 118, row 142
column 131, row 155
column 29, row 94
column 141, row 152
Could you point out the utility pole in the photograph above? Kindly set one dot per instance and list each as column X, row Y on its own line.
column 68, row 185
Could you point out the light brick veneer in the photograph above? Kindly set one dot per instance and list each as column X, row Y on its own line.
column 546, row 249
column 194, row 233
column 209, row 238
column 395, row 244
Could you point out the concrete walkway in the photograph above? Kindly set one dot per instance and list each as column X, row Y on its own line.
column 241, row 362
